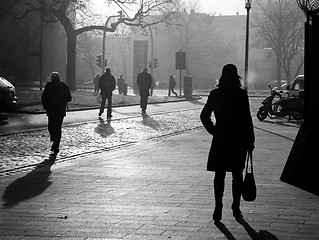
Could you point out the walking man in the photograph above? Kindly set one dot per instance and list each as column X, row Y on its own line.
column 171, row 85
column 107, row 85
column 144, row 82
column 55, row 97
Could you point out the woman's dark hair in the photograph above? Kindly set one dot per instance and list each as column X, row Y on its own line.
column 229, row 78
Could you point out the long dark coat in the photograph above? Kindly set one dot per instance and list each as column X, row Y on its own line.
column 55, row 96
column 172, row 83
column 107, row 84
column 233, row 132
column 144, row 82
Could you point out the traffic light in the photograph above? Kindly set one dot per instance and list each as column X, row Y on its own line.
column 120, row 15
column 155, row 62
column 99, row 60
column 150, row 65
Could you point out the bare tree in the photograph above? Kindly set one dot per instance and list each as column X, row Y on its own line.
column 86, row 48
column 279, row 25
column 66, row 12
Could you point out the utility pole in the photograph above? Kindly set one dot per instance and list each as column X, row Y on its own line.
column 248, row 7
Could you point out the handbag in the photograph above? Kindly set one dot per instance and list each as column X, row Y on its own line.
column 249, row 190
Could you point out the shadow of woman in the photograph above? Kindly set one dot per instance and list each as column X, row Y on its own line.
column 224, row 230
column 104, row 129
column 150, row 122
column 29, row 186
column 261, row 235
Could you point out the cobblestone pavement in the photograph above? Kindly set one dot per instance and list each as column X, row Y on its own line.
column 156, row 189
column 26, row 149
column 32, row 147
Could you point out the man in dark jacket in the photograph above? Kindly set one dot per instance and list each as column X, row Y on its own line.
column 55, row 97
column 107, row 85
column 144, row 82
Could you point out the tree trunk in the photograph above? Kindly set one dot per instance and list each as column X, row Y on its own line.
column 71, row 61
column 278, row 71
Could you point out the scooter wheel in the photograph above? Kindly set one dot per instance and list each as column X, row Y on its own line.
column 262, row 114
column 298, row 115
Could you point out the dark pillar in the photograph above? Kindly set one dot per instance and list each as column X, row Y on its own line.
column 301, row 168
column 139, row 60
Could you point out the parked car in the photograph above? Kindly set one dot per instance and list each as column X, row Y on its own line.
column 273, row 85
column 8, row 97
column 297, row 85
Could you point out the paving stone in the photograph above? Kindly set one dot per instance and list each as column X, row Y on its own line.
column 156, row 189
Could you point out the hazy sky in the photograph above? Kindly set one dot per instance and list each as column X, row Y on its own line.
column 224, row 7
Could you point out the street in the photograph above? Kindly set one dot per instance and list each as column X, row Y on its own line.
column 144, row 177
column 25, row 140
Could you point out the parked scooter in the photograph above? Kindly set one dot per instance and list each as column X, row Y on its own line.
column 284, row 106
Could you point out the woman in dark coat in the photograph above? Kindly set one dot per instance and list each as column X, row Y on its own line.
column 233, row 136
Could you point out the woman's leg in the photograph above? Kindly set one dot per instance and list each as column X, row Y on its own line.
column 236, row 190
column 219, row 185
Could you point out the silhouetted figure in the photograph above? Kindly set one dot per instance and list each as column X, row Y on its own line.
column 96, row 82
column 233, row 136
column 55, row 97
column 122, row 85
column 107, row 85
column 171, row 85
column 144, row 82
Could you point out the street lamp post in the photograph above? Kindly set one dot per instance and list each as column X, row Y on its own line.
column 41, row 52
column 301, row 166
column 152, row 54
column 248, row 7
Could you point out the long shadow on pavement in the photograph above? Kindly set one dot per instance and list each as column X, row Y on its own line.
column 29, row 186
column 224, row 230
column 104, row 129
column 261, row 235
column 150, row 122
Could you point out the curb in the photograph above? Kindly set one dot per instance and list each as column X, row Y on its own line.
column 116, row 106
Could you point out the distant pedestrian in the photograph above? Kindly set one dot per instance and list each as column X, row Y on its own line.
column 144, row 82
column 55, row 97
column 96, row 82
column 121, row 85
column 107, row 85
column 233, row 136
column 171, row 85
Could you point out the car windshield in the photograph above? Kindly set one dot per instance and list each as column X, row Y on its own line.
column 273, row 84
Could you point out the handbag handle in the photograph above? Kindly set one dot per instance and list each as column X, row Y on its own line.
column 249, row 157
